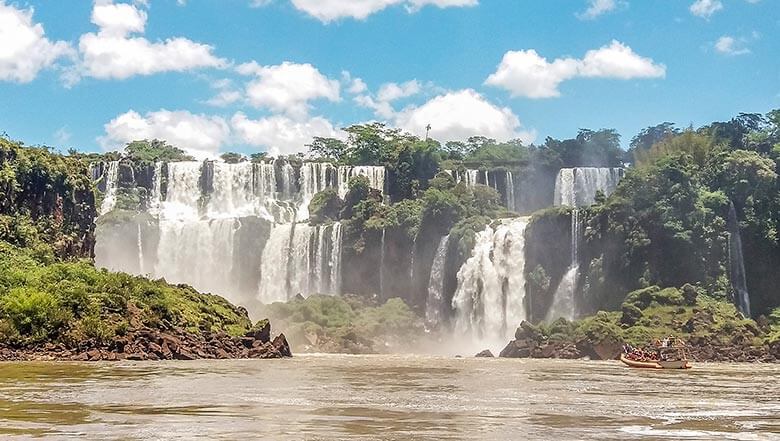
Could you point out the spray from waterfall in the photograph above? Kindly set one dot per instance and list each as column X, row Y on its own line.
column 737, row 263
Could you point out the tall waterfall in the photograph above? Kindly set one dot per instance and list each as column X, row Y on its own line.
column 301, row 259
column 577, row 187
column 490, row 299
column 434, row 305
column 564, row 304
column 111, row 176
column 737, row 263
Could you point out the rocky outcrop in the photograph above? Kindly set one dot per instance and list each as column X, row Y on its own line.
column 144, row 343
column 530, row 343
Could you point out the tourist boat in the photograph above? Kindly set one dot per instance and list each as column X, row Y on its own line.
column 656, row 364
column 671, row 355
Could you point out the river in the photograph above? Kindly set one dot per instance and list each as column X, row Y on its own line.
column 334, row 397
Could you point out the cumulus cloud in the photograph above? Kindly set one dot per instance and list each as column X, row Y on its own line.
column 705, row 8
column 527, row 74
column 729, row 45
column 24, row 48
column 382, row 102
column 201, row 136
column 114, row 53
column 331, row 10
column 281, row 135
column 288, row 88
column 597, row 8
column 460, row 114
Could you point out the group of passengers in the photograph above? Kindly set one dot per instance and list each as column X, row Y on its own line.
column 639, row 354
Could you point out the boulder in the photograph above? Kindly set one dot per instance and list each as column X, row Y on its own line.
column 485, row 354
column 282, row 346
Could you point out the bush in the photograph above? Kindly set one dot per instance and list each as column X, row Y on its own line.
column 35, row 314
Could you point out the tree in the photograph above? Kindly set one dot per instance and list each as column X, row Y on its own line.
column 232, row 157
column 328, row 148
column 649, row 136
column 155, row 150
column 258, row 157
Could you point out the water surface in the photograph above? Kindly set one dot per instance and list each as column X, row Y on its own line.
column 334, row 397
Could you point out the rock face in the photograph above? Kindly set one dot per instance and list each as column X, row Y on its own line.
column 144, row 343
column 485, row 354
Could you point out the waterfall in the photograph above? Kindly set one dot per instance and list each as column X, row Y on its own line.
column 196, row 228
column 374, row 174
column 382, row 266
column 140, row 243
column 510, row 192
column 434, row 305
column 564, row 304
column 111, row 176
column 737, row 263
column 314, row 179
column 473, row 177
column 301, row 259
column 199, row 253
column 490, row 299
column 155, row 198
column 577, row 187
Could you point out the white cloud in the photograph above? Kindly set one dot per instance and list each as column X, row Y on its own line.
column 330, row 10
column 597, row 8
column 354, row 85
column 705, row 8
column 527, row 74
column 459, row 114
column 112, row 53
column 201, row 136
column 731, row 46
column 394, row 91
column 62, row 135
column 288, row 87
column 382, row 103
column 24, row 48
column 619, row 61
column 280, row 134
column 118, row 19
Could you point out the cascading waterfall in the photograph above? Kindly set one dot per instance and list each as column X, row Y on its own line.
column 111, row 176
column 564, row 304
column 301, row 259
column 737, row 263
column 434, row 305
column 196, row 232
column 490, row 299
column 577, row 187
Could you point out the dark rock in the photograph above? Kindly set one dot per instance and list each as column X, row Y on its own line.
column 282, row 346
column 184, row 354
column 485, row 354
column 261, row 331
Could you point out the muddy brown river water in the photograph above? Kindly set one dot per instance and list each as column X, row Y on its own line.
column 335, row 397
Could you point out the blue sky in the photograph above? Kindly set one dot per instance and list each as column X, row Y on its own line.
column 249, row 75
